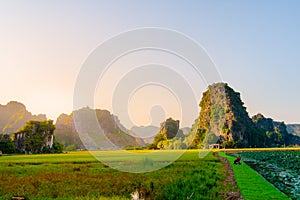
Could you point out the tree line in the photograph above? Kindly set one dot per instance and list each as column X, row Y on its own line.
column 34, row 137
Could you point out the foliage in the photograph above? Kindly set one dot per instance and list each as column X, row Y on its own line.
column 177, row 143
column 151, row 146
column 229, row 144
column 202, row 123
column 276, row 132
column 78, row 176
column 130, row 147
column 158, row 138
column 169, row 135
column 223, row 119
column 56, row 148
column 163, row 144
column 71, row 147
column 36, row 138
column 6, row 144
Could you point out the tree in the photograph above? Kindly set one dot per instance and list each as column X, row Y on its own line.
column 56, row 148
column 163, row 144
column 6, row 144
column 37, row 137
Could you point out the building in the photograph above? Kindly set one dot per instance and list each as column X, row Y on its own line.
column 214, row 146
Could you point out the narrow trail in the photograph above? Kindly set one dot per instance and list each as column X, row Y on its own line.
column 230, row 195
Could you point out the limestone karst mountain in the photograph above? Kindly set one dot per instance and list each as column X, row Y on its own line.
column 276, row 132
column 169, row 136
column 223, row 119
column 293, row 129
column 14, row 115
column 89, row 121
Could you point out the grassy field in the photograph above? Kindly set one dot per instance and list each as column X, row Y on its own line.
column 78, row 175
column 253, row 186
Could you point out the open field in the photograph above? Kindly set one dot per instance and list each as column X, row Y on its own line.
column 79, row 175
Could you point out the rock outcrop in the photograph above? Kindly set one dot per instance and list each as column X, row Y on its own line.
column 99, row 129
column 276, row 132
column 168, row 135
column 35, row 136
column 13, row 116
column 223, row 119
column 293, row 129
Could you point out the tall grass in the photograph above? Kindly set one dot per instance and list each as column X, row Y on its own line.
column 81, row 177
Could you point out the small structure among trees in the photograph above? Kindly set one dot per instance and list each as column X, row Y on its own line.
column 214, row 146
column 37, row 137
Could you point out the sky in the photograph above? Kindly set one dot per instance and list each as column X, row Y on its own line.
column 255, row 46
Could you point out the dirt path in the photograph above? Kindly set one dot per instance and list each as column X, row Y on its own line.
column 230, row 195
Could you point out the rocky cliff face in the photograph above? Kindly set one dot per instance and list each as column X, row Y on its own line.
column 223, row 119
column 169, row 129
column 13, row 116
column 35, row 136
column 276, row 132
column 293, row 129
column 168, row 134
column 67, row 134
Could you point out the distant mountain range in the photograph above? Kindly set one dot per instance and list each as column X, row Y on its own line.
column 13, row 116
column 293, row 129
column 87, row 132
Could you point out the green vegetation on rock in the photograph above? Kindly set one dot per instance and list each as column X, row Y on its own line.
column 169, row 136
column 66, row 132
column 37, row 137
column 276, row 132
column 223, row 119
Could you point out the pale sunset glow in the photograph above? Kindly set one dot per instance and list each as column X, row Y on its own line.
column 45, row 43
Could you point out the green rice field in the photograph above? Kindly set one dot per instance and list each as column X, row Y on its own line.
column 78, row 175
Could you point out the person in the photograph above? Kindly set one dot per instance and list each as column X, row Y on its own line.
column 237, row 161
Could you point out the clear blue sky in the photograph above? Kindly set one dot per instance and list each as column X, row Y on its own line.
column 255, row 45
